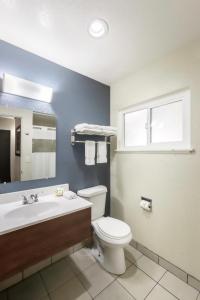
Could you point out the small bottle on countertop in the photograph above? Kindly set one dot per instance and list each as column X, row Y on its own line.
column 59, row 191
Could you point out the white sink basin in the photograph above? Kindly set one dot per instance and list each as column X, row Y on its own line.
column 14, row 215
column 31, row 210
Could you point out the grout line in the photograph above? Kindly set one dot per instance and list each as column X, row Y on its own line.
column 162, row 276
column 60, row 285
column 103, row 289
column 80, row 271
column 165, row 287
column 76, row 275
column 148, row 276
column 43, row 282
column 126, row 290
column 83, row 285
column 126, row 258
column 160, row 257
column 168, row 291
column 157, row 282
column 114, row 278
column 158, row 263
column 146, row 273
column 39, row 273
column 166, row 271
column 150, row 291
column 11, row 286
column 140, row 257
column 7, row 295
column 127, row 267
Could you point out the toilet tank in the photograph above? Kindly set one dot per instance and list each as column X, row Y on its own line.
column 96, row 195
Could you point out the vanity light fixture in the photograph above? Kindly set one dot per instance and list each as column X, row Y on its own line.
column 25, row 88
column 98, row 28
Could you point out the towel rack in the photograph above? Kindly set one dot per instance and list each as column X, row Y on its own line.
column 74, row 141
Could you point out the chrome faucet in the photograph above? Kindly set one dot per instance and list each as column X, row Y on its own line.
column 31, row 199
column 25, row 200
column 34, row 197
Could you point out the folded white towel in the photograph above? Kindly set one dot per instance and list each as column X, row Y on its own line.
column 95, row 129
column 101, row 152
column 69, row 195
column 89, row 153
column 109, row 128
column 80, row 127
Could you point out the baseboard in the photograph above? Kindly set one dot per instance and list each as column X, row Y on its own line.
column 181, row 274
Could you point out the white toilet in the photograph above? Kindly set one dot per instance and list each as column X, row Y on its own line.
column 111, row 235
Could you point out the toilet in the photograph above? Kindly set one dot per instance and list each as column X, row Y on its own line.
column 110, row 235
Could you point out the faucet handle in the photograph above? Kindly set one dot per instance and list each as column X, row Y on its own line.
column 36, row 197
column 25, row 200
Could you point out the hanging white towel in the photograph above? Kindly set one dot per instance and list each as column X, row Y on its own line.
column 89, row 153
column 101, row 152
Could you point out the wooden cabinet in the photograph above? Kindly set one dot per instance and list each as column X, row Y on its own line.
column 25, row 247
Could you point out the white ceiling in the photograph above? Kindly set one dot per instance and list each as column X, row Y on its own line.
column 140, row 32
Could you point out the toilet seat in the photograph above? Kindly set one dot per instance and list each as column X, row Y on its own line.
column 112, row 231
column 113, row 228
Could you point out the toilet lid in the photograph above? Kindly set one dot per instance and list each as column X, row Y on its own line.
column 113, row 228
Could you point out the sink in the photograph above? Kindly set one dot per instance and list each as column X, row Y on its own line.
column 14, row 215
column 31, row 210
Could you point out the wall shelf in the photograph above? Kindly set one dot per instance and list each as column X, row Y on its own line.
column 75, row 133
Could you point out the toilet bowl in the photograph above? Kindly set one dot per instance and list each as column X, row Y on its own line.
column 110, row 235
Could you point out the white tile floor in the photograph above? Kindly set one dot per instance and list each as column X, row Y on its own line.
column 80, row 277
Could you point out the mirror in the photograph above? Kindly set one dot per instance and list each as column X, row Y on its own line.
column 27, row 145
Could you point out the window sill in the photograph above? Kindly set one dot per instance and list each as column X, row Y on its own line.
column 156, row 151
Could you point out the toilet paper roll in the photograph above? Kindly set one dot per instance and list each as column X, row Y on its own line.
column 145, row 205
column 142, row 203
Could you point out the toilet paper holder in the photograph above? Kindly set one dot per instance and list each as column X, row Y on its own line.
column 148, row 203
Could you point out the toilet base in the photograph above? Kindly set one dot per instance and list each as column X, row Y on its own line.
column 112, row 259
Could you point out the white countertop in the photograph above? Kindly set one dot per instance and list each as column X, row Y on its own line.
column 15, row 215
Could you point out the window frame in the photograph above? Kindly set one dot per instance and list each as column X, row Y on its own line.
column 184, row 145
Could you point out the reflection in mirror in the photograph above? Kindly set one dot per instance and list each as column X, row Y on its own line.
column 43, row 146
column 10, row 134
column 27, row 145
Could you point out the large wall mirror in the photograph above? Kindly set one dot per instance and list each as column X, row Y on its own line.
column 27, row 145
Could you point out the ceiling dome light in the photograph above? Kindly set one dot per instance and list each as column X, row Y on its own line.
column 98, row 28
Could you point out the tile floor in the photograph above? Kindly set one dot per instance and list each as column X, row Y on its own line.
column 78, row 276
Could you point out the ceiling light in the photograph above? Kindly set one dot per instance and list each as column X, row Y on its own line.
column 98, row 28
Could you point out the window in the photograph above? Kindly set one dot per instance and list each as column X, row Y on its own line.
column 161, row 124
column 136, row 120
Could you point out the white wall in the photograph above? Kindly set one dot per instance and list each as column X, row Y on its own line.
column 172, row 230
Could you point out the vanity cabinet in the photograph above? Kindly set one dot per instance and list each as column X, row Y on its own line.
column 25, row 247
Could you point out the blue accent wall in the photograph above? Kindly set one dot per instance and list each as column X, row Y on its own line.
column 76, row 99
